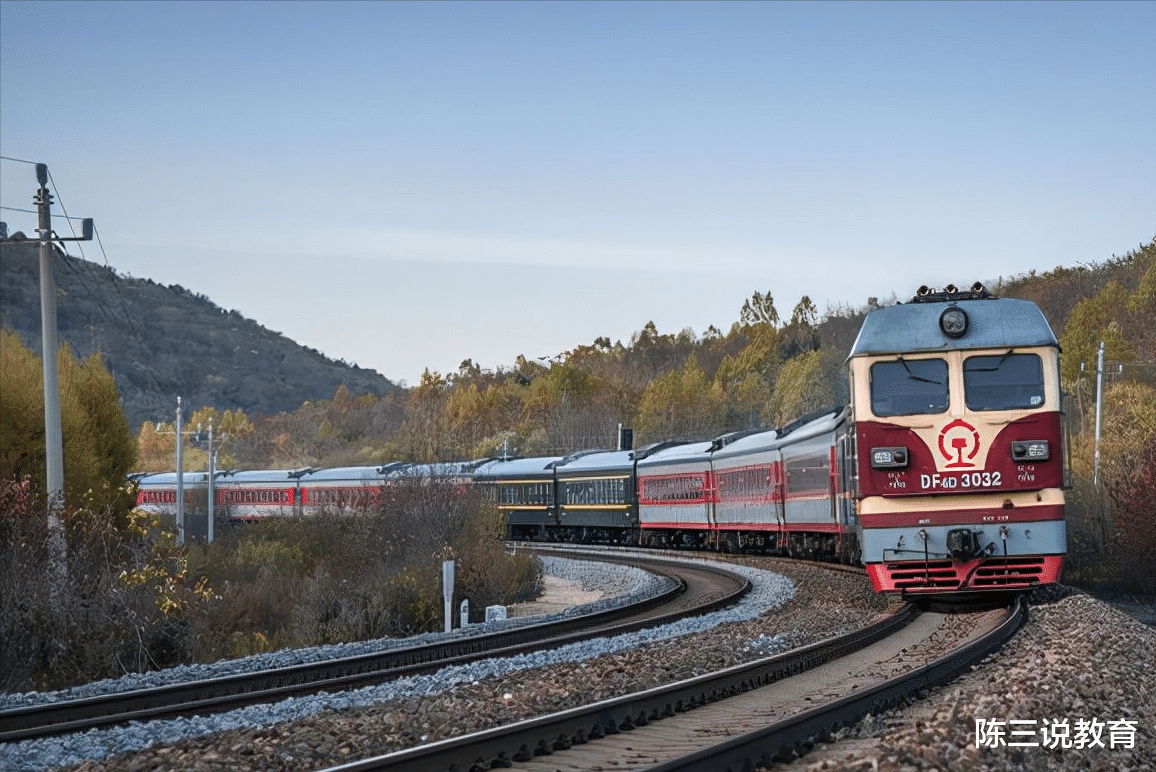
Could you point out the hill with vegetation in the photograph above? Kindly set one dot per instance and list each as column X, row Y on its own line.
column 160, row 342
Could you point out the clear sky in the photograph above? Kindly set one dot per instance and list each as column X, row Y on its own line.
column 408, row 185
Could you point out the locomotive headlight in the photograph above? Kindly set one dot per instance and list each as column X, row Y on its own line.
column 953, row 322
column 1027, row 451
column 889, row 458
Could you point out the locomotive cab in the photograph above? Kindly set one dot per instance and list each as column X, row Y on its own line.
column 956, row 402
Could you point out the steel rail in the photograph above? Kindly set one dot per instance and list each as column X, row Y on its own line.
column 545, row 734
column 229, row 692
column 788, row 739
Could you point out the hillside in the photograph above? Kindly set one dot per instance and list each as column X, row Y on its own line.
column 160, row 342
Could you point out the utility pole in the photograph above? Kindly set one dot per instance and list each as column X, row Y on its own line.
column 180, row 480
column 212, row 474
column 1099, row 411
column 50, row 345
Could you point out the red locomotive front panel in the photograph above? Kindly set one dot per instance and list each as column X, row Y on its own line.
column 960, row 455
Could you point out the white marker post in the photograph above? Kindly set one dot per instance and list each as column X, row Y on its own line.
column 448, row 592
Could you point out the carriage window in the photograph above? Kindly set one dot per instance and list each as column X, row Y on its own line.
column 1003, row 382
column 909, row 387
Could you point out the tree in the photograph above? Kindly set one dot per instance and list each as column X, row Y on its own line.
column 1128, row 466
column 805, row 314
column 682, row 403
column 802, row 332
column 21, row 412
column 760, row 309
column 99, row 450
column 425, row 435
column 574, row 409
column 804, row 385
column 1092, row 321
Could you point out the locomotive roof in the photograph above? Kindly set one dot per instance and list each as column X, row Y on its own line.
column 992, row 323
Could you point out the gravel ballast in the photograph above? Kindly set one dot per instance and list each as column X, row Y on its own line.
column 1076, row 658
column 620, row 584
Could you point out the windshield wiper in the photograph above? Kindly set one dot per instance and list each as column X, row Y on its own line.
column 998, row 364
column 915, row 377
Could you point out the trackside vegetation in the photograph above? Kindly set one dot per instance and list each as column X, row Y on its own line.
column 133, row 600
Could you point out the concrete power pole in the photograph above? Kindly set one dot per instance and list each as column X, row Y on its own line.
column 50, row 345
column 180, row 479
column 1099, row 411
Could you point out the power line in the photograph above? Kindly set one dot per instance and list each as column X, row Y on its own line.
column 33, row 211
column 104, row 306
column 60, row 201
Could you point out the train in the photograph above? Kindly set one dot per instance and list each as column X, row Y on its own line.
column 943, row 476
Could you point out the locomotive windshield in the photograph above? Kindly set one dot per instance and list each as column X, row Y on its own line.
column 909, row 387
column 1003, row 382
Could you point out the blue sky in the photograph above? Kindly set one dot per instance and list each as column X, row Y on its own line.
column 408, row 185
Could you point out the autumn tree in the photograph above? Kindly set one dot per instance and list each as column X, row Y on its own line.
column 156, row 443
column 476, row 412
column 1141, row 309
column 425, row 434
column 802, row 332
column 99, row 451
column 807, row 382
column 683, row 404
column 1122, row 531
column 1092, row 321
column 573, row 409
column 760, row 309
column 743, row 380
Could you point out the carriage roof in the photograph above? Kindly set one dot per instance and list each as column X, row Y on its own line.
column 518, row 467
column 599, row 461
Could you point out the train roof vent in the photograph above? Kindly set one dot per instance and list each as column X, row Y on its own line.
column 723, row 440
column 579, row 454
column 799, row 423
column 473, row 466
column 654, row 447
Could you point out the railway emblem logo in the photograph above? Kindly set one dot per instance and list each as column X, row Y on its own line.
column 957, row 439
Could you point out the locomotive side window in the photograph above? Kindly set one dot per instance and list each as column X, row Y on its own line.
column 909, row 387
column 1003, row 382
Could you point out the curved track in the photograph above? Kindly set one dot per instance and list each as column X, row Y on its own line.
column 697, row 589
column 736, row 718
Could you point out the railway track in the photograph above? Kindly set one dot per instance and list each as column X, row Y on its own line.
column 737, row 718
column 696, row 589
